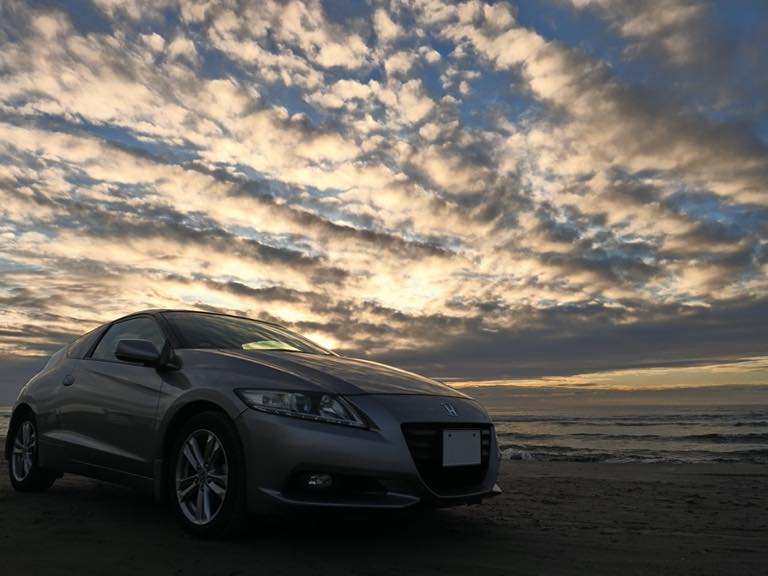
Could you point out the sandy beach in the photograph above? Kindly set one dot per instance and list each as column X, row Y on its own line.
column 554, row 518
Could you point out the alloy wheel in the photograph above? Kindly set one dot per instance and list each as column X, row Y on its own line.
column 202, row 477
column 23, row 451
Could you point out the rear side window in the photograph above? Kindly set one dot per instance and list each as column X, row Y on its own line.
column 141, row 328
column 80, row 347
column 55, row 357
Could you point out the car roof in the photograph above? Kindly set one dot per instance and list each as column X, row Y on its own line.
column 156, row 311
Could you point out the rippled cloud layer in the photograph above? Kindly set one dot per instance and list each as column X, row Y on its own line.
column 475, row 190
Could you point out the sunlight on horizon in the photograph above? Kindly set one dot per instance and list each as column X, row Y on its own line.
column 748, row 372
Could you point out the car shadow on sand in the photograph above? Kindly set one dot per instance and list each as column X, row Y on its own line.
column 95, row 528
column 101, row 503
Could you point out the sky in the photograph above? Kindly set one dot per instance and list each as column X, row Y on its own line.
column 572, row 192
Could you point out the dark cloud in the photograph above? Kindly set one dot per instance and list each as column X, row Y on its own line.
column 334, row 231
column 566, row 342
column 701, row 57
column 136, row 221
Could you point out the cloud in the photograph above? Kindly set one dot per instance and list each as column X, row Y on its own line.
column 386, row 29
column 302, row 28
column 625, row 125
column 559, row 343
column 678, row 29
column 434, row 183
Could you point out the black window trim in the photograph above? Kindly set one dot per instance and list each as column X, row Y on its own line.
column 89, row 356
column 95, row 333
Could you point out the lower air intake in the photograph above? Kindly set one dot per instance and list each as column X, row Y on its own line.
column 425, row 441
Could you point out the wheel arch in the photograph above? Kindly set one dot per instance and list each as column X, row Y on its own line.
column 174, row 423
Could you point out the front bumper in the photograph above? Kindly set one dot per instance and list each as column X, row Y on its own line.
column 372, row 468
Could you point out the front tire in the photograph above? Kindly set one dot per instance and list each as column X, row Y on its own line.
column 26, row 475
column 206, row 473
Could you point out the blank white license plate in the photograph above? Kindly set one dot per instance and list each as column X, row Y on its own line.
column 461, row 447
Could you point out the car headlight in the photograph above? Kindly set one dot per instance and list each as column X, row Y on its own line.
column 308, row 405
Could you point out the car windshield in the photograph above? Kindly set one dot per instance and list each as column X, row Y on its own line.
column 199, row 330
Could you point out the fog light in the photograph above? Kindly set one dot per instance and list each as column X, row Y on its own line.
column 319, row 481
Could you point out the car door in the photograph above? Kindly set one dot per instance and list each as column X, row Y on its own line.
column 51, row 391
column 111, row 405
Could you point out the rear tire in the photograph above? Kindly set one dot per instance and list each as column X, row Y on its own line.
column 23, row 468
column 206, row 477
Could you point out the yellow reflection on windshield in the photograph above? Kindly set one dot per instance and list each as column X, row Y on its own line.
column 268, row 345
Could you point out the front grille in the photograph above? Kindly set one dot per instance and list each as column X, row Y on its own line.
column 425, row 441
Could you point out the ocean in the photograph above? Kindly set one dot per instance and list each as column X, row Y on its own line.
column 653, row 434
column 700, row 434
column 5, row 418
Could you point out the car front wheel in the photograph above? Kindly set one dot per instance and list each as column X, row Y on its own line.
column 207, row 476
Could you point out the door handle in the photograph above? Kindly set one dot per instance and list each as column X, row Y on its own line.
column 68, row 380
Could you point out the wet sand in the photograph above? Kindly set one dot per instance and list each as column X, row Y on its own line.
column 553, row 518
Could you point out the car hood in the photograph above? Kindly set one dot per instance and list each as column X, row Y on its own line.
column 337, row 374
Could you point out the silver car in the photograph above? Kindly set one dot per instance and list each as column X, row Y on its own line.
column 224, row 415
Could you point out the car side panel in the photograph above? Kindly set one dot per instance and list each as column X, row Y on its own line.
column 42, row 395
column 109, row 415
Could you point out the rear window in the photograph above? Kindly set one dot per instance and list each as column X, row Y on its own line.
column 80, row 347
column 55, row 357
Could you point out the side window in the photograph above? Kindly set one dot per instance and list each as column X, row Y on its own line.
column 79, row 348
column 142, row 328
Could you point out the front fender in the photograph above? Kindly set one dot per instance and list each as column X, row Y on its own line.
column 224, row 400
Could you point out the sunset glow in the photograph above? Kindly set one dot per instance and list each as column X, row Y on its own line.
column 563, row 193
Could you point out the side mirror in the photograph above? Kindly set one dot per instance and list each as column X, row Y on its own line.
column 141, row 351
